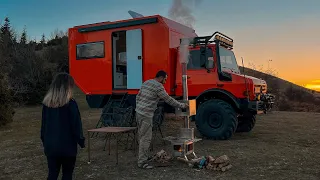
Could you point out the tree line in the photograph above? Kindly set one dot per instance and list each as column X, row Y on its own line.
column 27, row 67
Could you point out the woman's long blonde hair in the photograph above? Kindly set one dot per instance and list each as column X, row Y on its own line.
column 60, row 91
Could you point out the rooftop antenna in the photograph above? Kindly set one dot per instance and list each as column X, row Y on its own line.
column 135, row 14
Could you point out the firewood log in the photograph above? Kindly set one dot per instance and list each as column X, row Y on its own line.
column 209, row 166
column 223, row 164
column 221, row 159
column 183, row 160
column 223, row 169
column 210, row 159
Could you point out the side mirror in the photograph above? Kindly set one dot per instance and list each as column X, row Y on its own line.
column 209, row 63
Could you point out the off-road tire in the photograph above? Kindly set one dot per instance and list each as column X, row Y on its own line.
column 216, row 119
column 158, row 117
column 246, row 122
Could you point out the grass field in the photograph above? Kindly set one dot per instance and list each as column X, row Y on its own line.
column 283, row 145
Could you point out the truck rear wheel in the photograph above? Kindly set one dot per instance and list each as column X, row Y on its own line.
column 216, row 119
column 246, row 122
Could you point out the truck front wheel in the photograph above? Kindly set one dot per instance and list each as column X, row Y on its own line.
column 246, row 122
column 216, row 119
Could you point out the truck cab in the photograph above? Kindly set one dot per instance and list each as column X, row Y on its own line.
column 227, row 101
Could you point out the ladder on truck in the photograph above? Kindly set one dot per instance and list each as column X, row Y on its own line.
column 107, row 114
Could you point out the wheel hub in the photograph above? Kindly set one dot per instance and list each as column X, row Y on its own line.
column 215, row 120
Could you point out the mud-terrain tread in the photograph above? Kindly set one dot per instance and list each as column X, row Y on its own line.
column 246, row 123
column 223, row 108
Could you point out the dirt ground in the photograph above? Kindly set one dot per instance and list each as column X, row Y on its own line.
column 283, row 145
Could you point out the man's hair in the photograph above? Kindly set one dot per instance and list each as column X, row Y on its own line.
column 161, row 73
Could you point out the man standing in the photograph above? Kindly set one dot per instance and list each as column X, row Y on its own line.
column 146, row 103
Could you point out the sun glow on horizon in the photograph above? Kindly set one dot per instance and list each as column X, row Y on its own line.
column 313, row 86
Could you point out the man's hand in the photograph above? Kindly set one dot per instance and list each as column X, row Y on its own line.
column 185, row 105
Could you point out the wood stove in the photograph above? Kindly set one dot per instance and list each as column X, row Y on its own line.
column 183, row 145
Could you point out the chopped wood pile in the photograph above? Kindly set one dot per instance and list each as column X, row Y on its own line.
column 221, row 163
column 161, row 157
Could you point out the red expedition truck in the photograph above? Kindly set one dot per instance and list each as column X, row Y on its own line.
column 110, row 60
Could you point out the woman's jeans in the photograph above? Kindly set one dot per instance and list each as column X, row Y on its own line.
column 55, row 163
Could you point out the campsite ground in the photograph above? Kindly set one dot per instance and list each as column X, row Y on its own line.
column 283, row 145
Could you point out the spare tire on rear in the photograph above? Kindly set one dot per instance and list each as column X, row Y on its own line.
column 216, row 119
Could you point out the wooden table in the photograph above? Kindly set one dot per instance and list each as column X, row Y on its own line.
column 112, row 130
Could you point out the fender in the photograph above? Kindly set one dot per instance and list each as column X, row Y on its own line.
column 219, row 94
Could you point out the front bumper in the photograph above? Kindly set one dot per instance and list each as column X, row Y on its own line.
column 257, row 107
column 261, row 106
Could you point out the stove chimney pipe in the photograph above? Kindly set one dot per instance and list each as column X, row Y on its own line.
column 184, row 57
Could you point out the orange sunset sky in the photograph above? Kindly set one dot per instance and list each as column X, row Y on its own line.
column 286, row 31
column 293, row 46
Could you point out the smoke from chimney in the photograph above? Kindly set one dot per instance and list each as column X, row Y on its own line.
column 184, row 51
column 181, row 11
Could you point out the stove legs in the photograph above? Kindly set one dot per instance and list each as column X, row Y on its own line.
column 186, row 158
column 194, row 154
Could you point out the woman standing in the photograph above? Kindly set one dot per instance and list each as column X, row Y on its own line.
column 61, row 128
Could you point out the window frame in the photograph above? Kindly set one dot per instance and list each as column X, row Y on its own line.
column 227, row 53
column 204, row 64
column 93, row 57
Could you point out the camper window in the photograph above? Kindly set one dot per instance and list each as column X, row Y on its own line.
column 90, row 50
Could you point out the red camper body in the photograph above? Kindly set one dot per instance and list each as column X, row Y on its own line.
column 158, row 38
column 110, row 60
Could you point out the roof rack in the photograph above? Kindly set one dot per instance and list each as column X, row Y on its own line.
column 202, row 40
column 223, row 40
column 219, row 38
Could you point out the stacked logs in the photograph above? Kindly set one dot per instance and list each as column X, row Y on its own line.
column 161, row 157
column 221, row 163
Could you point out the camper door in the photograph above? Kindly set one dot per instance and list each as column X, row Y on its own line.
column 134, row 58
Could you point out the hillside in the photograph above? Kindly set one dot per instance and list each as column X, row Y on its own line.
column 289, row 96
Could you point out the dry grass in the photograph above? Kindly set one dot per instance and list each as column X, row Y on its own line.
column 283, row 145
